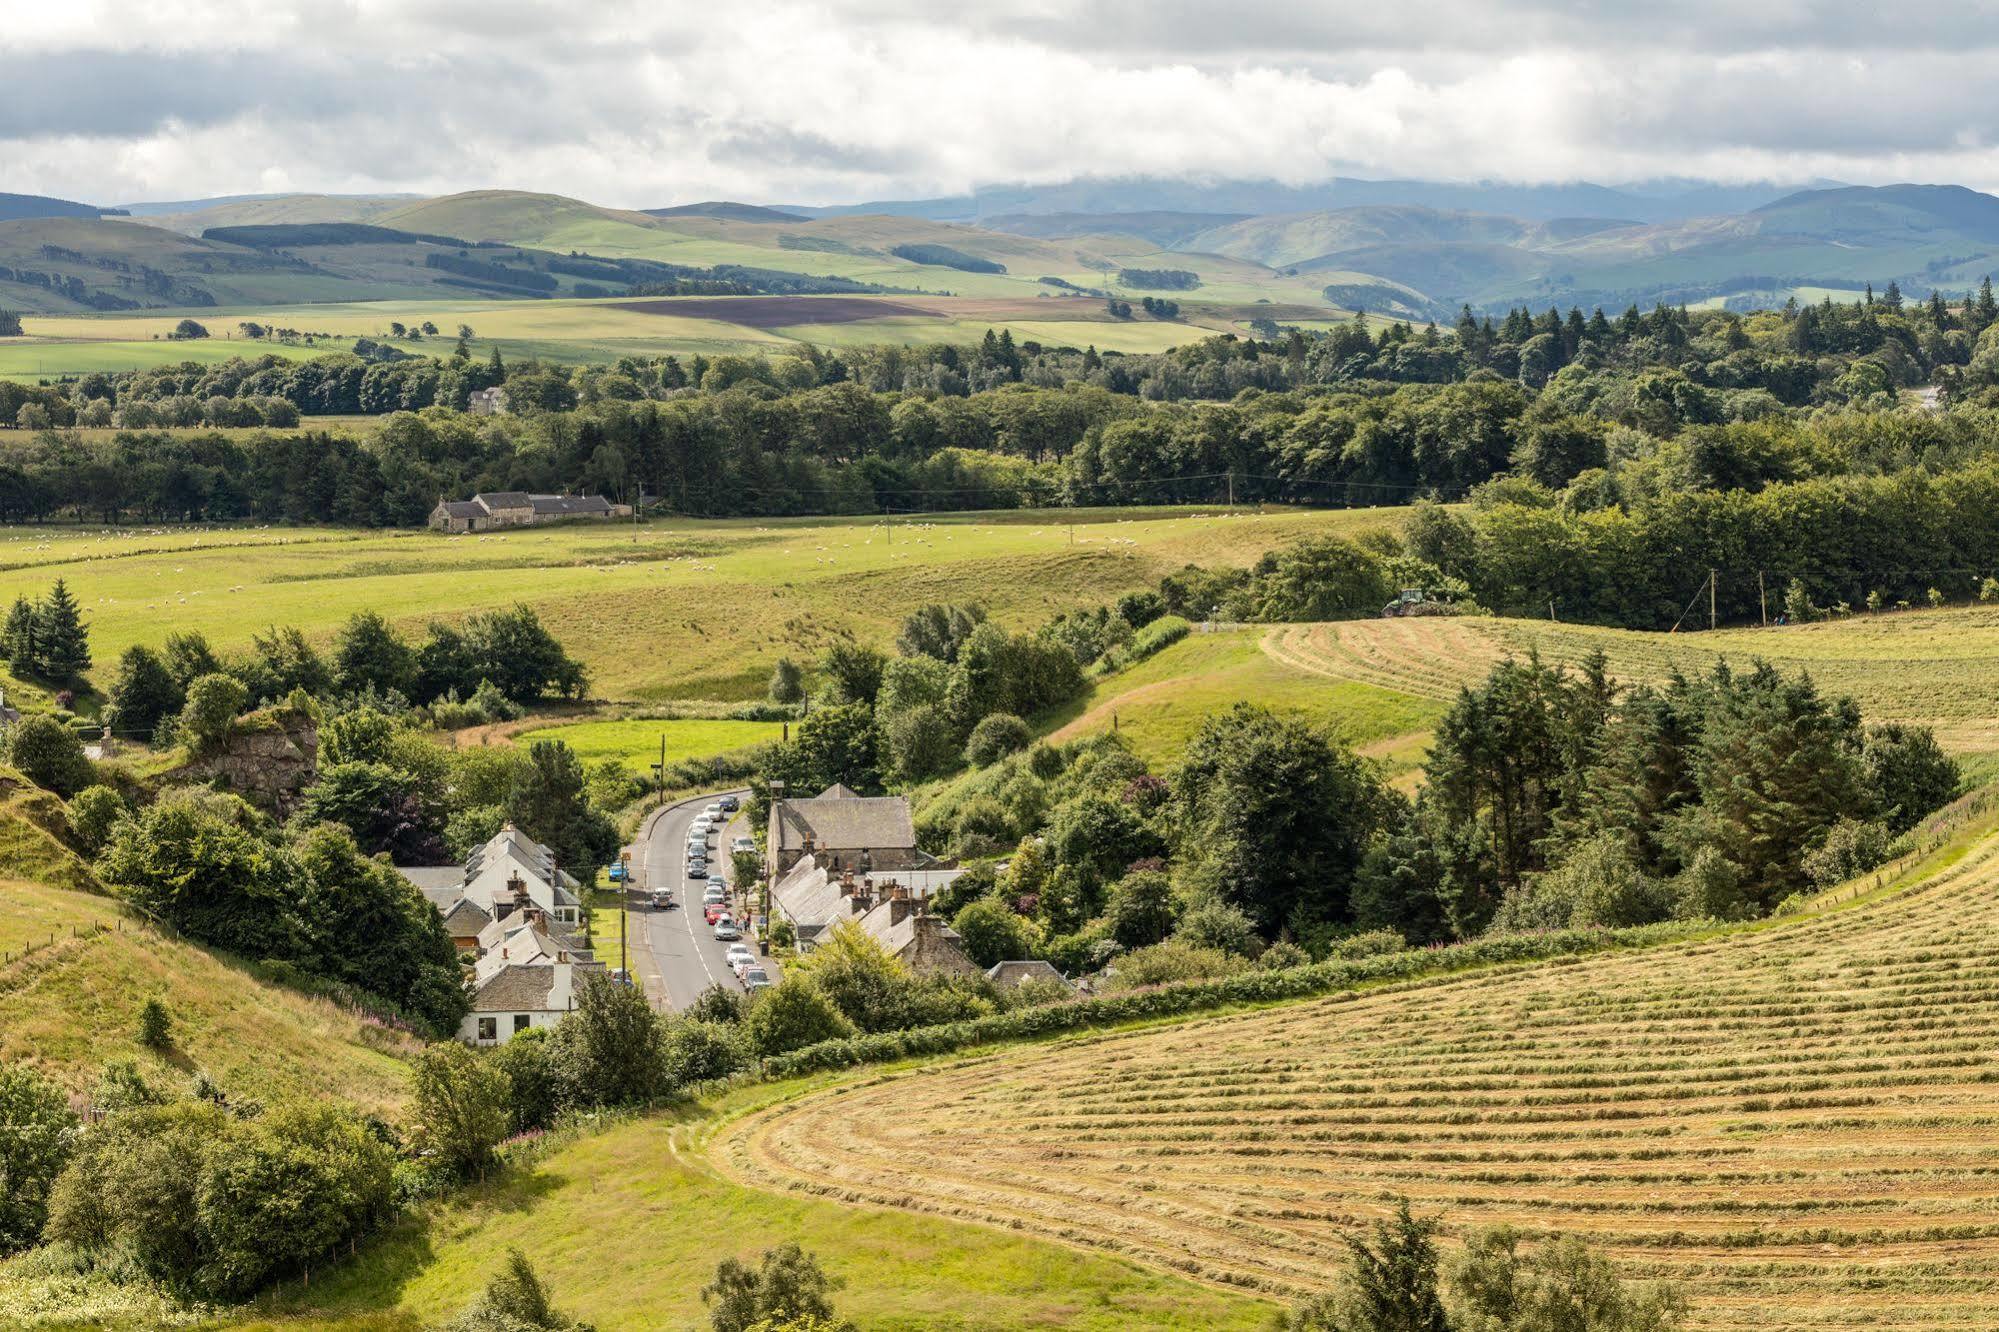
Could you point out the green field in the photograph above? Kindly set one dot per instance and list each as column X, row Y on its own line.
column 680, row 609
column 1159, row 704
column 37, row 357
column 629, row 1224
column 637, row 743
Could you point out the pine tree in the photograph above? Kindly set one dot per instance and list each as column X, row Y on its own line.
column 1987, row 308
column 61, row 641
column 1939, row 314
column 17, row 638
column 1892, row 297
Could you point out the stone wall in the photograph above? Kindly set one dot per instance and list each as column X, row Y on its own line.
column 268, row 760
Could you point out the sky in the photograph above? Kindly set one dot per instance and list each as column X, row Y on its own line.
column 644, row 104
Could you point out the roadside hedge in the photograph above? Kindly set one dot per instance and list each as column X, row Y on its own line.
column 1252, row 987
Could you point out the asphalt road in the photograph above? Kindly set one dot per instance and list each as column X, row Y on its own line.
column 686, row 957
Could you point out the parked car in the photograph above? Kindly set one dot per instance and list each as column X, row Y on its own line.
column 725, row 928
column 620, row 975
column 756, row 978
column 617, row 873
column 713, row 813
column 731, row 804
column 738, row 954
column 715, row 893
column 697, row 870
column 745, row 844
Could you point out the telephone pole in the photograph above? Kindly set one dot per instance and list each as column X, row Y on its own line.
column 1762, row 599
column 1713, row 621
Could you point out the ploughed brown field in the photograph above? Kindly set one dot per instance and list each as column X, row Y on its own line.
column 1799, row 1124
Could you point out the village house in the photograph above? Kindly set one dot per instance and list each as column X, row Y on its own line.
column 511, row 911
column 814, row 898
column 490, row 511
column 845, row 831
column 526, row 976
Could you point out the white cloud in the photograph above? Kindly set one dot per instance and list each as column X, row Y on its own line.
column 638, row 104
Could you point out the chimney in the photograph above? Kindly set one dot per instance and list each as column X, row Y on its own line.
column 899, row 909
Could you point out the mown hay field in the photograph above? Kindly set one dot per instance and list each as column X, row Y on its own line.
column 1795, row 1123
column 1940, row 667
column 673, row 609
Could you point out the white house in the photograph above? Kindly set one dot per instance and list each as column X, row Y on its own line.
column 526, row 976
column 510, row 871
column 814, row 898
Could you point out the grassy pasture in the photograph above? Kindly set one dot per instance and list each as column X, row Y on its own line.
column 676, row 609
column 1160, row 703
column 73, row 1006
column 637, row 743
column 32, row 358
column 1795, row 1122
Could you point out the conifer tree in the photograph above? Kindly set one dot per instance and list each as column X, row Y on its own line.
column 1987, row 308
column 61, row 642
column 17, row 638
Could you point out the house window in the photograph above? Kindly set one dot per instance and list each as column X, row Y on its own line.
column 520, row 1022
column 489, row 1029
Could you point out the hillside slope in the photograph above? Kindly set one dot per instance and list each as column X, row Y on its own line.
column 1794, row 1123
column 75, row 970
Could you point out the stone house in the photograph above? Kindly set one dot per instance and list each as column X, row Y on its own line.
column 526, row 976
column 845, row 831
column 493, row 510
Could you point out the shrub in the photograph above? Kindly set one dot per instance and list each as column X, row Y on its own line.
column 1710, row 888
column 213, row 703
column 1173, row 961
column 92, row 814
column 37, row 1135
column 49, row 754
column 1282, row 955
column 787, row 682
column 156, row 1026
column 1988, row 590
column 515, row 1300
column 1850, row 849
column 995, row 737
column 992, row 933
column 1368, row 943
column 787, row 1286
column 700, row 1051
column 216, row 1206
column 459, row 1101
column 791, row 1016
column 1215, row 924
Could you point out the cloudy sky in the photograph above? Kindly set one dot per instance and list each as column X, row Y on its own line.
column 660, row 101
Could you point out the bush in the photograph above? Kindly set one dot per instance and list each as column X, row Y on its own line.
column 156, row 1026
column 49, row 754
column 1850, row 849
column 215, row 1206
column 37, row 1135
column 991, row 933
column 787, row 1287
column 515, row 1300
column 791, row 1016
column 1174, row 961
column 459, row 1104
column 92, row 814
column 213, row 703
column 1215, row 924
column 995, row 737
column 699, row 1051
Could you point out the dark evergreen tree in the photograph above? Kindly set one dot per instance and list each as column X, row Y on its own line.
column 62, row 644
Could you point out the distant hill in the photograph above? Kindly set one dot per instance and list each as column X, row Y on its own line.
column 731, row 212
column 1166, row 229
column 194, row 216
column 35, row 205
column 1663, row 201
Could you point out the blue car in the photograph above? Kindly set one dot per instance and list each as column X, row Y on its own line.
column 617, row 873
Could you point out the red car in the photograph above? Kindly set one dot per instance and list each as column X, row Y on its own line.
column 715, row 912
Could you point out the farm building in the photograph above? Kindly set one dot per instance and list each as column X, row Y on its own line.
column 517, row 508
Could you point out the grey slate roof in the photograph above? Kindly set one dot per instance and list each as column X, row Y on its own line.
column 504, row 499
column 839, row 791
column 439, row 883
column 845, row 823
column 515, row 990
column 557, row 506
column 1011, row 974
column 466, row 919
column 464, row 509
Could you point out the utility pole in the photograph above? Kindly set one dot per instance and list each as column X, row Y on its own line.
column 1551, row 608
column 1762, row 599
column 1712, row 620
column 1231, row 490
